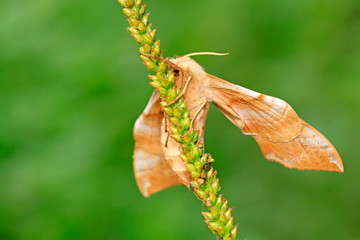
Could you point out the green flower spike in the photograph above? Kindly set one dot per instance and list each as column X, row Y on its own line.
column 205, row 184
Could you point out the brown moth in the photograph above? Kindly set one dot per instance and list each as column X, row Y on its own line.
column 282, row 136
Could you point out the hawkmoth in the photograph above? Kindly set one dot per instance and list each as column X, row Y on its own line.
column 282, row 136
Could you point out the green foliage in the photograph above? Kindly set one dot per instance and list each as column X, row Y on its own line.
column 66, row 118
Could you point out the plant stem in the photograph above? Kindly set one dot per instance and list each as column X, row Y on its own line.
column 205, row 184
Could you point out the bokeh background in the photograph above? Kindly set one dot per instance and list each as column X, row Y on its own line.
column 72, row 86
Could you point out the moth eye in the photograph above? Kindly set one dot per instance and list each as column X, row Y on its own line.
column 176, row 72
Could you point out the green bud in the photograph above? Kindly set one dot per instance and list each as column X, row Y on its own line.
column 148, row 28
column 138, row 38
column 175, row 121
column 177, row 112
column 194, row 185
column 183, row 157
column 168, row 111
column 207, row 216
column 219, row 201
column 185, row 149
column 163, row 67
column 155, row 84
column 216, row 186
column 138, row 3
column 187, row 139
column 234, row 232
column 195, row 136
column 148, row 38
column 230, row 224
column 186, row 124
column 145, row 19
column 157, row 48
column 152, row 77
column 142, row 50
column 180, row 101
column 163, row 91
column 142, row 27
column 203, row 159
column 214, row 212
column 135, row 14
column 147, row 48
column 199, row 193
column 177, row 137
column 133, row 22
column 212, row 197
column 173, row 93
column 153, row 33
column 198, row 166
column 142, row 10
column 165, row 83
column 171, row 77
column 150, row 65
column 196, row 152
column 228, row 213
column 225, row 205
column 133, row 30
column 160, row 74
column 145, row 58
column 130, row 3
column 189, row 156
column 214, row 226
column 222, row 218
column 126, row 3
column 195, row 174
column 183, row 108
column 190, row 167
column 210, row 173
column 173, row 130
column 127, row 11
column 221, row 230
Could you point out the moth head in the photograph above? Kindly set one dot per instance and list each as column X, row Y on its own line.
column 186, row 62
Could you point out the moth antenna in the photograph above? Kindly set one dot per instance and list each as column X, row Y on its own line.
column 205, row 53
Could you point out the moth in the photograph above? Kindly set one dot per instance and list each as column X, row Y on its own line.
column 282, row 136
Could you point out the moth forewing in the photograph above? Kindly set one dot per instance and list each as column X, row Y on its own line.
column 152, row 172
column 308, row 151
column 282, row 136
column 260, row 115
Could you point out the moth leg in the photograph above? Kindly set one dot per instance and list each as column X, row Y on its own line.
column 169, row 63
column 181, row 94
column 194, row 117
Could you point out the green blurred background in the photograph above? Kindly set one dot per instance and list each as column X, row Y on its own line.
column 72, row 86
